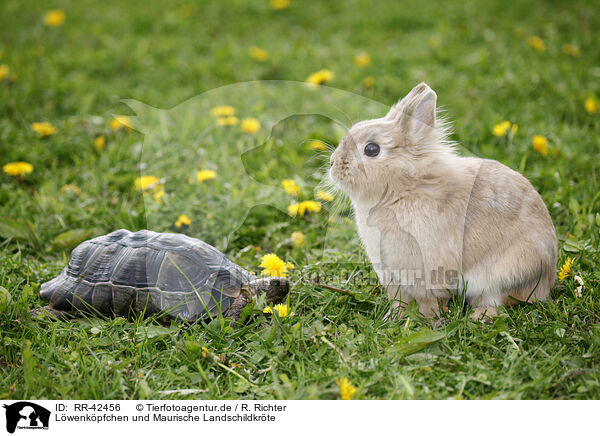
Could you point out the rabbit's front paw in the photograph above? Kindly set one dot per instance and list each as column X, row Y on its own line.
column 431, row 307
column 397, row 308
column 484, row 313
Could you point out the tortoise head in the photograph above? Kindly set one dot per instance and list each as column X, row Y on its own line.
column 275, row 288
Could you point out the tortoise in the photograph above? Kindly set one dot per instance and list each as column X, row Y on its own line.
column 143, row 273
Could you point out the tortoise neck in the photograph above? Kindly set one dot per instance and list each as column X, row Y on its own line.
column 247, row 289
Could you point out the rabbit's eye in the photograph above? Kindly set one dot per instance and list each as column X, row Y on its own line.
column 372, row 149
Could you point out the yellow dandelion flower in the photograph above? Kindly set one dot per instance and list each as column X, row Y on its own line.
column 591, row 106
column 566, row 269
column 290, row 187
column 501, row 129
column 203, row 175
column 44, row 129
column 317, row 145
column 144, row 183
column 183, row 220
column 299, row 239
column 17, row 169
column 123, row 122
column 55, row 18
column 227, row 121
column 325, row 196
column 250, row 125
column 258, row 54
column 347, row 391
column 368, row 82
column 303, row 207
column 540, row 144
column 273, row 266
column 4, row 71
column 222, row 111
column 362, row 59
column 6, row 74
column 100, row 142
column 282, row 310
column 205, row 352
column 536, row 43
column 498, row 130
column 320, row 77
column 158, row 195
column 70, row 189
column 571, row 50
column 279, row 5
column 312, row 206
column 290, row 266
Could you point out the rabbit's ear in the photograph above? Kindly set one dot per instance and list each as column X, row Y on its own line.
column 423, row 115
column 397, row 109
column 415, row 113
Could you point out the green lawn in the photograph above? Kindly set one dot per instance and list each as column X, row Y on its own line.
column 477, row 55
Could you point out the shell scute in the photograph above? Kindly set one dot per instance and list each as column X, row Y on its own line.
column 123, row 299
column 176, row 242
column 99, row 266
column 102, row 298
column 58, row 291
column 181, row 272
column 138, row 266
column 83, row 296
column 115, row 236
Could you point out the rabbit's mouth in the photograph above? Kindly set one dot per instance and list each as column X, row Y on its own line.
column 341, row 174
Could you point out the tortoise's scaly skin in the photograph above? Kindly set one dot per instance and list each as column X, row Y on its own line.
column 125, row 273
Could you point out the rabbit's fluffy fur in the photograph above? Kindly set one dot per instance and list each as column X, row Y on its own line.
column 433, row 222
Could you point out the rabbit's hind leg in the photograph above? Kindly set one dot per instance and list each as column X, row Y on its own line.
column 529, row 294
column 430, row 307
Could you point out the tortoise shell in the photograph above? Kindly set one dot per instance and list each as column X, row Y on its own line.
column 146, row 272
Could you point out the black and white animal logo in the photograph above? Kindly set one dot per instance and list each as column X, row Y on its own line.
column 26, row 415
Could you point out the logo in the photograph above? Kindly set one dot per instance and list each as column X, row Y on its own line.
column 26, row 415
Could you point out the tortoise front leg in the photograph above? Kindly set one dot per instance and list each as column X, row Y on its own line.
column 47, row 313
column 235, row 311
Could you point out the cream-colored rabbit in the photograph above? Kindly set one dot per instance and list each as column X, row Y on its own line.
column 433, row 222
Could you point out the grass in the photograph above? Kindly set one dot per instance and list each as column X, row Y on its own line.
column 475, row 55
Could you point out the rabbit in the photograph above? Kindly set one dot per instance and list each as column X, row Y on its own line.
column 434, row 223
